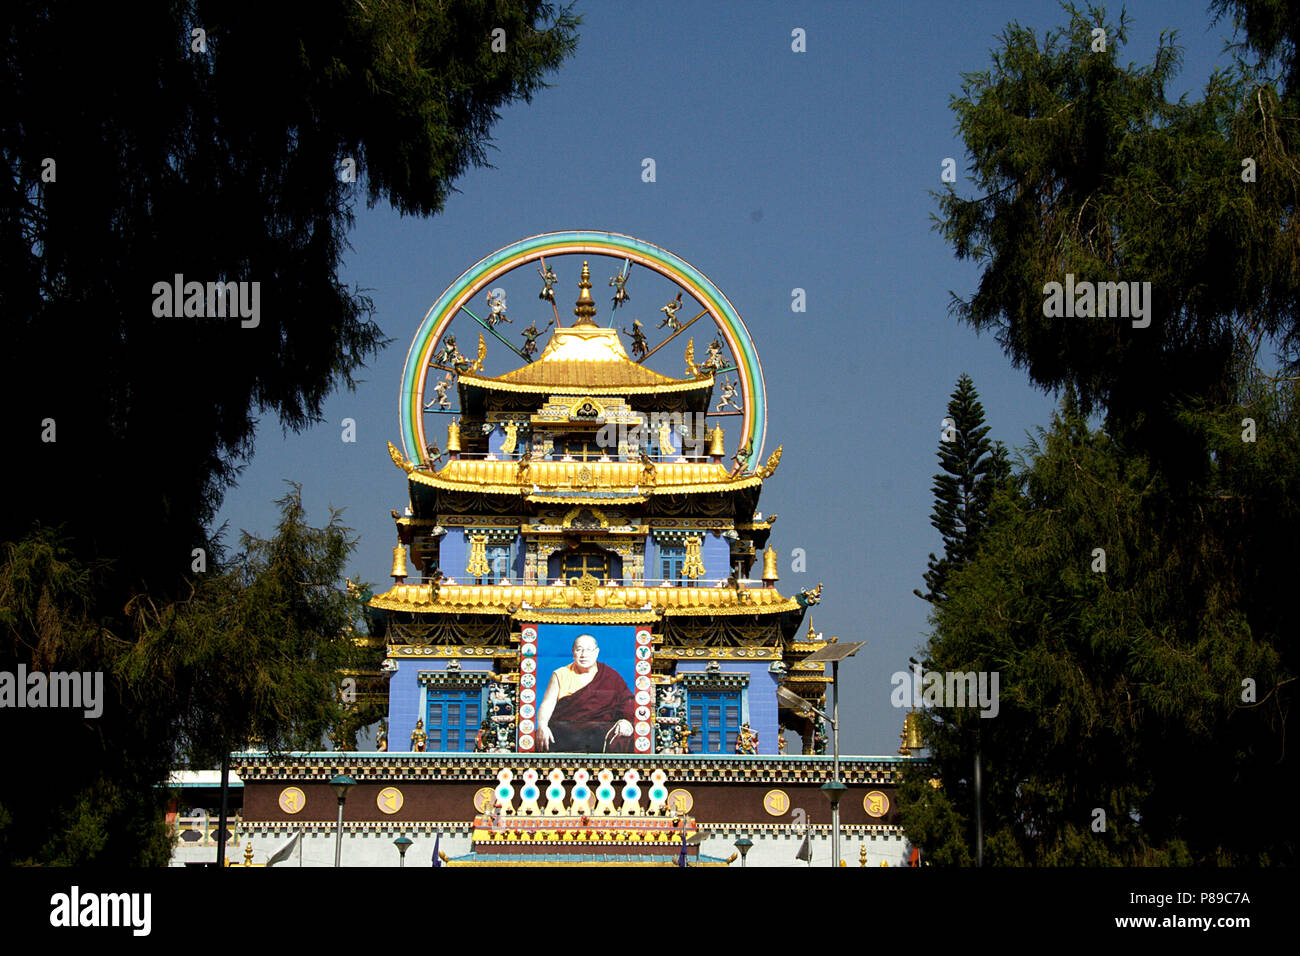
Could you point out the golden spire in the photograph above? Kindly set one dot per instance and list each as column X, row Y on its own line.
column 585, row 308
column 770, row 575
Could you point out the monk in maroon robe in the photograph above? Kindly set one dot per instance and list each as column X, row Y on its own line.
column 587, row 707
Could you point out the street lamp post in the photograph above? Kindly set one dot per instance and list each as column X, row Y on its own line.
column 833, row 652
column 403, row 843
column 743, row 845
column 341, row 784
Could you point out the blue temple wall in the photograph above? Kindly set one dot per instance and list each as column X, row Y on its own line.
column 453, row 555
column 715, row 552
column 406, row 696
column 759, row 705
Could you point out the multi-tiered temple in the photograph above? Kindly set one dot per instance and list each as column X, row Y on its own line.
column 584, row 489
column 585, row 636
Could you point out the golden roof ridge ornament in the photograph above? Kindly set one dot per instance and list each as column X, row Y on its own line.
column 585, row 307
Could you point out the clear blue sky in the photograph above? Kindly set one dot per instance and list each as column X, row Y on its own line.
column 775, row 170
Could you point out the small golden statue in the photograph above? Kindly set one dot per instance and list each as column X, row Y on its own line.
column 418, row 737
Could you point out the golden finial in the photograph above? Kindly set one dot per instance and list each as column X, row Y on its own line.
column 769, row 566
column 862, row 856
column 585, row 308
column 399, row 563
column 453, row 436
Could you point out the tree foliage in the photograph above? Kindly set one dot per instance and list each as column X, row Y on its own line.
column 973, row 466
column 215, row 142
column 1085, row 167
column 1120, row 690
column 1154, row 690
column 252, row 654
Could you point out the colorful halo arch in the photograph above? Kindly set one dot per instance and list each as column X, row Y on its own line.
column 581, row 242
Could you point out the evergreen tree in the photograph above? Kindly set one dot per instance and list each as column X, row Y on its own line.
column 1125, row 590
column 972, row 467
column 254, row 652
column 229, row 142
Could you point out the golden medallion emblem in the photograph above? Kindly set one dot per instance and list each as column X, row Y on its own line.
column 776, row 803
column 292, row 800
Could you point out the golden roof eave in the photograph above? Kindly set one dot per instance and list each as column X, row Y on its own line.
column 579, row 383
column 503, row 599
column 567, row 480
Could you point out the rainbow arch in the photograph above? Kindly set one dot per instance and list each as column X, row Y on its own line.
column 581, row 242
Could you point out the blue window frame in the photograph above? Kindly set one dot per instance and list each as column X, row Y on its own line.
column 452, row 718
column 498, row 559
column 715, row 721
column 672, row 558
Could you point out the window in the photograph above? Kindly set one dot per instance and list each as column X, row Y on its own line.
column 586, row 561
column 715, row 721
column 672, row 559
column 498, row 559
column 584, row 450
column 452, row 718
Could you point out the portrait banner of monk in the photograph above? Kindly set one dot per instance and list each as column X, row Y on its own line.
column 586, row 675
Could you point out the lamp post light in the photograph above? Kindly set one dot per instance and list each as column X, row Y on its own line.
column 403, row 843
column 341, row 784
column 743, row 845
column 834, row 790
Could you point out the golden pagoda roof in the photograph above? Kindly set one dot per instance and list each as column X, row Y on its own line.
column 510, row 599
column 587, row 482
column 590, row 359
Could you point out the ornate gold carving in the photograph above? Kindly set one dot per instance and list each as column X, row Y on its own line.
column 482, row 354
column 477, row 566
column 773, row 460
column 692, row 369
column 693, row 566
column 573, row 513
column 587, row 587
column 398, row 459
column 483, row 799
column 512, row 433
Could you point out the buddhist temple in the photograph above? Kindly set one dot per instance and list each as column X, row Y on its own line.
column 586, row 629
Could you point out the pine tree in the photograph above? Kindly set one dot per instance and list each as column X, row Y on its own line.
column 972, row 466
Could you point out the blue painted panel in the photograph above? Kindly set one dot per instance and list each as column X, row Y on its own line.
column 454, row 554
column 715, row 552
